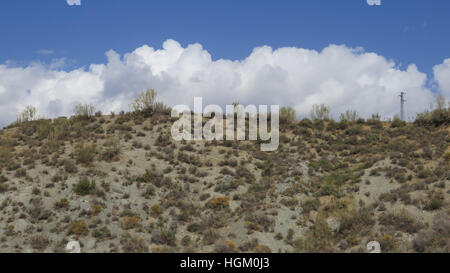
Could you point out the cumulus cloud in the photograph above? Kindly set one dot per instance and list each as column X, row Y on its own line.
column 374, row 2
column 339, row 76
column 442, row 77
column 73, row 2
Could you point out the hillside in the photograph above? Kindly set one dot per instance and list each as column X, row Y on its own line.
column 118, row 183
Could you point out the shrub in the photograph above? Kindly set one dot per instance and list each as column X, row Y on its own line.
column 355, row 221
column 349, row 116
column 84, row 111
column 421, row 241
column 133, row 244
column 331, row 184
column 259, row 222
column 287, row 115
column 85, row 153
column 434, row 204
column 441, row 224
column 434, row 118
column 447, row 156
column 79, row 228
column 194, row 227
column 146, row 104
column 38, row 242
column 163, row 236
column 402, row 221
column 320, row 112
column 130, row 222
column 310, row 205
column 397, row 123
column 28, row 114
column 156, row 210
column 63, row 203
column 44, row 127
column 70, row 166
column 112, row 150
column 3, row 187
column 387, row 243
column 219, row 202
column 317, row 239
column 262, row 249
column 151, row 177
column 84, row 187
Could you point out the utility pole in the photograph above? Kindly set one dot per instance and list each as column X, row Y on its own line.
column 402, row 105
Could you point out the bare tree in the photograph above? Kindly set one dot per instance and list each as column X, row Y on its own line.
column 84, row 110
column 349, row 115
column 28, row 114
column 320, row 112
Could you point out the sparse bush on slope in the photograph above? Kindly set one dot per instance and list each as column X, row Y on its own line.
column 84, row 111
column 436, row 117
column 287, row 115
column 147, row 105
column 84, row 187
column 320, row 112
column 349, row 116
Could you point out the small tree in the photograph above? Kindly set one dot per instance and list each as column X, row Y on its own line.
column 435, row 117
column 320, row 112
column 145, row 102
column 28, row 114
column 349, row 115
column 84, row 111
column 440, row 102
column 287, row 114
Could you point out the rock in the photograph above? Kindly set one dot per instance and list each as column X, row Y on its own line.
column 20, row 225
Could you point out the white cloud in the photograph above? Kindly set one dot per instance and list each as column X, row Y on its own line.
column 374, row 2
column 341, row 77
column 442, row 77
column 73, row 2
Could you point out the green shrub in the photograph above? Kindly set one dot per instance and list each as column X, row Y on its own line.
column 287, row 115
column 434, row 204
column 151, row 177
column 401, row 221
column 84, row 187
column 435, row 118
column 310, row 205
column 317, row 239
column 3, row 186
column 85, row 153
column 146, row 104
column 397, row 123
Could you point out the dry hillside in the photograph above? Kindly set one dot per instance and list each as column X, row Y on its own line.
column 118, row 183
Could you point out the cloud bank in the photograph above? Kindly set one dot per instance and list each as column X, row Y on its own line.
column 442, row 76
column 339, row 76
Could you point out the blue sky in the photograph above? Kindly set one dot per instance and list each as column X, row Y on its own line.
column 287, row 52
column 407, row 31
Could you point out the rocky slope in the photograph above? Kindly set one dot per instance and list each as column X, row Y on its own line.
column 120, row 184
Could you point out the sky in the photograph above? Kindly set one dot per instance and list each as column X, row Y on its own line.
column 57, row 53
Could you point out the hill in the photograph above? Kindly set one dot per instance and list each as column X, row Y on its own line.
column 119, row 183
